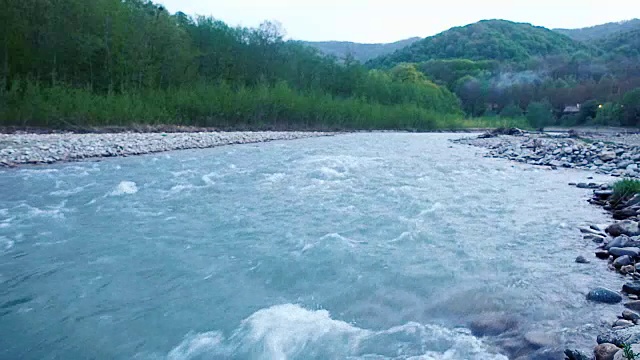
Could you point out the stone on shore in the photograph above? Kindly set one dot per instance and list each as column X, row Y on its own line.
column 631, row 288
column 625, row 227
column 633, row 305
column 628, row 335
column 604, row 295
column 622, row 261
column 632, row 252
column 576, row 355
column 630, row 315
column 605, row 351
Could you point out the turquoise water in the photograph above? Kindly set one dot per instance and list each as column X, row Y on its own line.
column 372, row 246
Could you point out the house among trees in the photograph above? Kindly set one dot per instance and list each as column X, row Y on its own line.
column 570, row 110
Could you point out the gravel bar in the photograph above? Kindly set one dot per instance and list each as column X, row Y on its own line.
column 18, row 149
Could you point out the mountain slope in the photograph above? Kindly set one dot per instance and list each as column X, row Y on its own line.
column 361, row 52
column 601, row 31
column 625, row 44
column 486, row 40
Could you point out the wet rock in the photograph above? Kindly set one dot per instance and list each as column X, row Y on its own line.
column 604, row 295
column 630, row 315
column 576, row 355
column 625, row 213
column 631, row 288
column 602, row 254
column 540, row 339
column 629, row 335
column 598, row 239
column 605, row 351
column 622, row 261
column 633, row 305
column 607, row 155
column 630, row 251
column 626, row 227
column 492, row 324
column 582, row 260
column 603, row 194
column 623, row 323
column 628, row 269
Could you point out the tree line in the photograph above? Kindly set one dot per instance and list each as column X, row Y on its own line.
column 118, row 62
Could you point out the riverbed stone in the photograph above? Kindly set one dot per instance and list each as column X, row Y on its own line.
column 605, row 351
column 631, row 288
column 630, row 315
column 604, row 295
column 630, row 251
column 629, row 335
column 492, row 324
column 572, row 354
column 625, row 227
column 622, row 261
column 602, row 254
column 622, row 323
column 582, row 260
column 607, row 155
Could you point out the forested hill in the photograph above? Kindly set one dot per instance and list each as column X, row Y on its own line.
column 486, row 40
column 625, row 44
column 498, row 67
column 80, row 63
column 360, row 52
column 601, row 31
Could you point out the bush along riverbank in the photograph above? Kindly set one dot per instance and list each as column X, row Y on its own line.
column 617, row 243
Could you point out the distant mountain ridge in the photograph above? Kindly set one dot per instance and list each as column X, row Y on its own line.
column 499, row 40
column 361, row 52
column 601, row 31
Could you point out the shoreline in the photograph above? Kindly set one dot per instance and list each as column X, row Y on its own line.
column 618, row 242
column 37, row 149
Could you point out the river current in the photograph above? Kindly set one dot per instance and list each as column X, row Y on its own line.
column 360, row 246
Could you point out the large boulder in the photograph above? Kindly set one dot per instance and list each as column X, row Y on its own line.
column 630, row 251
column 605, row 351
column 623, row 241
column 622, row 261
column 631, row 288
column 492, row 324
column 626, row 227
column 629, row 335
column 604, row 295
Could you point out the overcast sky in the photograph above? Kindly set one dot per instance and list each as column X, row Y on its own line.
column 390, row 20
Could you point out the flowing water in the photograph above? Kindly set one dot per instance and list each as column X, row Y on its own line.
column 362, row 246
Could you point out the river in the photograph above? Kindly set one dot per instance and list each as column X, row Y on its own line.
column 360, row 246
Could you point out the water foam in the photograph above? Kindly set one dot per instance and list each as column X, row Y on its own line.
column 292, row 332
column 125, row 188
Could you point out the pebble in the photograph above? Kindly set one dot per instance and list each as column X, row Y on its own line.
column 50, row 148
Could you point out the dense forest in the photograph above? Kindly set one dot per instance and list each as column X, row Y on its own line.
column 71, row 63
column 498, row 67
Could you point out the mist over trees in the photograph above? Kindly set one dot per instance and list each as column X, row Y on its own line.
column 495, row 66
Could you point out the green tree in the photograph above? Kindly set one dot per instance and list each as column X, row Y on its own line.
column 631, row 108
column 511, row 111
column 540, row 114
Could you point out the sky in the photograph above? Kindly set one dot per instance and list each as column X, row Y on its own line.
column 377, row 21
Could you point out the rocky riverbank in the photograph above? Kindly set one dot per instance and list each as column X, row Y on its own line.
column 618, row 243
column 17, row 149
column 606, row 155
